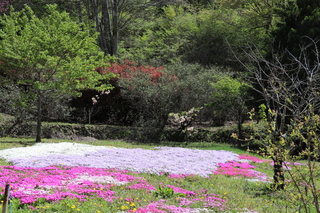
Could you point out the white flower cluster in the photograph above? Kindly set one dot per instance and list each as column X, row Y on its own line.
column 96, row 98
column 183, row 119
column 96, row 179
column 45, row 149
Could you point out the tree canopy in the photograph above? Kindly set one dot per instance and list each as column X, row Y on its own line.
column 298, row 23
column 50, row 53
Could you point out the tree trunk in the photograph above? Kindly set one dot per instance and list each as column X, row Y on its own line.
column 38, row 137
column 107, row 25
column 105, row 28
column 80, row 13
column 278, row 176
column 115, row 20
column 89, row 114
column 101, row 24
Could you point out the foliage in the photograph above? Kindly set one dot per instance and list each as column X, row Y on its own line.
column 214, row 35
column 158, row 39
column 230, row 97
column 80, row 132
column 304, row 136
column 207, row 39
column 288, row 89
column 113, row 18
column 5, row 118
column 142, row 96
column 165, row 32
column 297, row 25
column 301, row 142
column 163, row 192
column 53, row 47
column 166, row 192
column 188, row 33
column 171, row 34
column 262, row 112
column 51, row 54
column 18, row 102
column 21, row 102
column 128, row 69
column 201, row 3
column 195, row 88
column 119, row 106
column 152, row 101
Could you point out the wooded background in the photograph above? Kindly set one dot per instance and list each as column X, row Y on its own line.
column 132, row 62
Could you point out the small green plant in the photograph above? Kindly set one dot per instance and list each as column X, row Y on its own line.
column 262, row 112
column 166, row 192
column 163, row 192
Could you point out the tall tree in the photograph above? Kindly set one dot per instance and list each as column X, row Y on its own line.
column 298, row 20
column 230, row 96
column 113, row 16
column 286, row 73
column 288, row 96
column 52, row 53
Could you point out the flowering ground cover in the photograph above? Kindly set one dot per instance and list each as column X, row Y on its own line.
column 162, row 159
column 234, row 168
column 50, row 173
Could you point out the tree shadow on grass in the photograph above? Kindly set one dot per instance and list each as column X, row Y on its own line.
column 6, row 143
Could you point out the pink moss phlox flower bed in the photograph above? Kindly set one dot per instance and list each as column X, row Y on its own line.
column 251, row 158
column 142, row 185
column 160, row 206
column 234, row 168
column 56, row 183
column 241, row 169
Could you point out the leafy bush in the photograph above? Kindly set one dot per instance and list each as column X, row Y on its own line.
column 141, row 94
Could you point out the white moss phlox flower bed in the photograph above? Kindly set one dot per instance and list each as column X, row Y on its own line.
column 172, row 160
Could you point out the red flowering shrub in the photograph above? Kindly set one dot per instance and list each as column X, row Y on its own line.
column 138, row 92
column 4, row 6
column 128, row 70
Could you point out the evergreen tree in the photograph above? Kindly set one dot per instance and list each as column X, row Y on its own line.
column 298, row 25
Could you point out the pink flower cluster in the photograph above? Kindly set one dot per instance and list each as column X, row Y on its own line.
column 241, row 169
column 142, row 185
column 160, row 206
column 234, row 168
column 179, row 176
column 251, row 158
column 180, row 190
column 56, row 183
